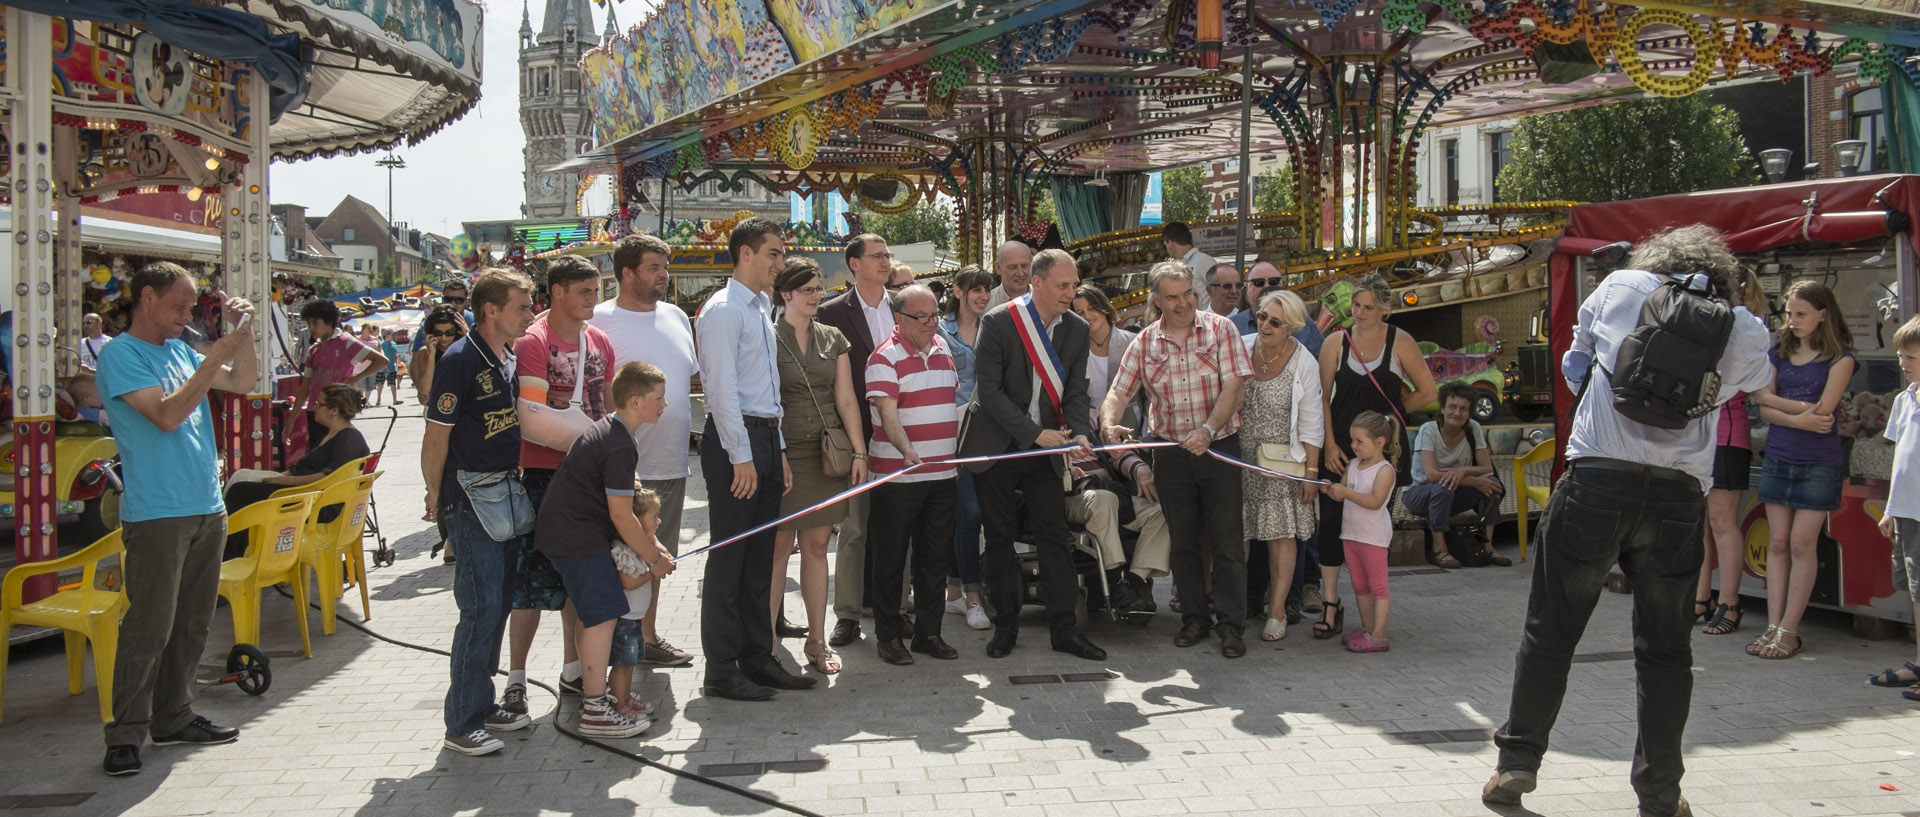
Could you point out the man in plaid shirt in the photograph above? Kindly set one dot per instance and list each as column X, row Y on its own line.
column 1192, row 364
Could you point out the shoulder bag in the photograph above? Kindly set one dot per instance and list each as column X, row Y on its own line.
column 836, row 448
column 1279, row 456
column 557, row 428
column 1403, row 476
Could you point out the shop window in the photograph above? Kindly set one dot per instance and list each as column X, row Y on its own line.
column 1450, row 159
column 1867, row 121
column 1499, row 155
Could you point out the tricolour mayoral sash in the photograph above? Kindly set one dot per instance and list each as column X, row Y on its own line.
column 1046, row 363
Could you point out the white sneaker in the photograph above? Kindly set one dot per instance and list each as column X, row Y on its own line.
column 977, row 617
column 475, row 743
column 601, row 718
column 957, row 606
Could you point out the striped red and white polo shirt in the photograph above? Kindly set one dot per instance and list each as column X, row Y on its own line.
column 924, row 386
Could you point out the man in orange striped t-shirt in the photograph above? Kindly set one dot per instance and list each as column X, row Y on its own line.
column 911, row 383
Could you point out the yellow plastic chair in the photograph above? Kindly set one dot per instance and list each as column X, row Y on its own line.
column 1524, row 493
column 334, row 477
column 274, row 529
column 85, row 613
column 332, row 550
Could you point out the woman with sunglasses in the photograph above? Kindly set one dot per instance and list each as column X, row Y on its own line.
column 441, row 328
column 1282, row 406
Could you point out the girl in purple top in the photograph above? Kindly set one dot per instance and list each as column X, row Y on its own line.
column 1803, row 467
column 1732, row 465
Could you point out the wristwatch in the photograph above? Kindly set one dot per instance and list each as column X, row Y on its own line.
column 1212, row 433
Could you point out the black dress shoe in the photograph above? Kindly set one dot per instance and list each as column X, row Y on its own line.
column 1001, row 645
column 1191, row 633
column 1231, row 645
column 845, row 631
column 737, row 688
column 935, row 646
column 786, row 629
column 1078, row 646
column 778, row 677
column 906, row 628
column 894, row 651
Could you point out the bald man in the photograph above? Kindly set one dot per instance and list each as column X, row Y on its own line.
column 1013, row 262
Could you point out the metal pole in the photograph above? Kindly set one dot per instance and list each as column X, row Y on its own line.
column 29, row 83
column 1246, row 160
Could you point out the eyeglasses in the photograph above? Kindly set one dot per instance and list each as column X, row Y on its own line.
column 898, row 287
column 1263, row 283
column 443, row 333
column 927, row 318
column 1272, row 321
column 453, row 299
column 809, row 292
column 1226, row 286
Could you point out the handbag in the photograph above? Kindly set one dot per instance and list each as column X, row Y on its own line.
column 1278, row 457
column 836, row 448
column 557, row 428
column 500, row 501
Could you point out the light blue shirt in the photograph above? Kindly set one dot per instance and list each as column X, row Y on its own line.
column 734, row 340
column 168, row 473
column 962, row 358
column 1607, row 317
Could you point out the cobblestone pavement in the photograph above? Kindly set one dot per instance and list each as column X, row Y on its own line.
column 1295, row 727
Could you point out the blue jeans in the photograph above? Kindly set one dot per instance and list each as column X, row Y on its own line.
column 483, row 590
column 1650, row 521
column 966, row 535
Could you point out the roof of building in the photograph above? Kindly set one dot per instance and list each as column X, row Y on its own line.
column 561, row 13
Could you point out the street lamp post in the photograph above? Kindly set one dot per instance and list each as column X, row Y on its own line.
column 391, row 163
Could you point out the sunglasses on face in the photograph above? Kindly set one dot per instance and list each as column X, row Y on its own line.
column 1263, row 283
column 443, row 333
column 1227, row 286
column 454, row 299
column 1272, row 321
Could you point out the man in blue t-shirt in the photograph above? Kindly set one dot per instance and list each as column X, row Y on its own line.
column 470, row 460
column 172, row 520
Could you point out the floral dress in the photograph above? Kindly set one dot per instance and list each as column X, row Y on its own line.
column 1273, row 508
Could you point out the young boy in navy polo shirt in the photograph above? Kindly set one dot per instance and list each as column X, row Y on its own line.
column 589, row 506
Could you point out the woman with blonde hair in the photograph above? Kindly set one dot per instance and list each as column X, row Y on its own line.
column 1281, row 406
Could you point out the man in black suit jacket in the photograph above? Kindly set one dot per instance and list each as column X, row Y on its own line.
column 1007, row 415
column 857, row 313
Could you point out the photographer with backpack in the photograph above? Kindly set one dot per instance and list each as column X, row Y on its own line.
column 1656, row 350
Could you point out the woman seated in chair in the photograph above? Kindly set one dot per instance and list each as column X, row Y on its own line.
column 1453, row 474
column 338, row 405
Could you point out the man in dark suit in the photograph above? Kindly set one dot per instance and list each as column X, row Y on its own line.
column 1011, row 412
column 862, row 314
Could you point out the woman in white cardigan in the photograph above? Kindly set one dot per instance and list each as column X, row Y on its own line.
column 1107, row 344
column 1281, row 428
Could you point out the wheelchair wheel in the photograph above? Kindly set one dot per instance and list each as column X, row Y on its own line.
column 251, row 665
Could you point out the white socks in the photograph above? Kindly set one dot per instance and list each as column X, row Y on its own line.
column 517, row 676
column 571, row 671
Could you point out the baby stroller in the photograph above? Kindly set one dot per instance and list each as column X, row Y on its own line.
column 382, row 554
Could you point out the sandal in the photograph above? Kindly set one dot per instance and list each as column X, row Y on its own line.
column 1333, row 619
column 824, row 659
column 1720, row 624
column 1891, row 677
column 1911, row 693
column 1765, row 638
column 1439, row 557
column 1776, row 650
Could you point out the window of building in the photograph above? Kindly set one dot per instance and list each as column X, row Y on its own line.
column 573, row 82
column 1450, row 159
column 1499, row 155
column 359, row 264
column 346, row 234
column 1867, row 121
column 543, row 82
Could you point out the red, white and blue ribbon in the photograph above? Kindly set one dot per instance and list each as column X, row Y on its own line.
column 1035, row 452
column 1040, row 352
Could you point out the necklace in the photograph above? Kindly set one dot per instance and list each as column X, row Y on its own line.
column 1268, row 362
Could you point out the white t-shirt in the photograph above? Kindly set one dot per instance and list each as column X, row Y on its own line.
column 664, row 338
column 1201, row 264
column 1903, row 428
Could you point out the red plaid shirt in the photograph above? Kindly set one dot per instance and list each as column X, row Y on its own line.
column 1183, row 381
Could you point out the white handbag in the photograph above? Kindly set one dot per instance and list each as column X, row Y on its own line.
column 557, row 428
column 1278, row 457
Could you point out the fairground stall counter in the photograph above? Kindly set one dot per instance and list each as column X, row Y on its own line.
column 1853, row 235
column 188, row 102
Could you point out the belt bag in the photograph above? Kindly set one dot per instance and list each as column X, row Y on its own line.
column 557, row 428
column 1278, row 457
column 500, row 501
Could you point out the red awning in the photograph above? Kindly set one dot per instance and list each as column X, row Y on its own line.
column 1837, row 211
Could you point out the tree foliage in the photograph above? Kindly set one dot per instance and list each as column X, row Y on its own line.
column 1273, row 190
column 1183, row 196
column 1627, row 150
column 927, row 221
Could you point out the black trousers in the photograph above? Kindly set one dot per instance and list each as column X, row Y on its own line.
column 1034, row 479
column 916, row 516
column 1201, row 499
column 735, row 631
column 1651, row 524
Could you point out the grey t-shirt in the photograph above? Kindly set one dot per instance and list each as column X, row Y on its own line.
column 1459, row 456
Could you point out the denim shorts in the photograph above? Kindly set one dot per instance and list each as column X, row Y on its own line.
column 594, row 585
column 1803, row 487
column 628, row 644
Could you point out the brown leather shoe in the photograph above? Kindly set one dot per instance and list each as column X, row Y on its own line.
column 1191, row 633
column 845, row 631
column 894, row 651
column 1681, row 810
column 935, row 646
column 1505, row 788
